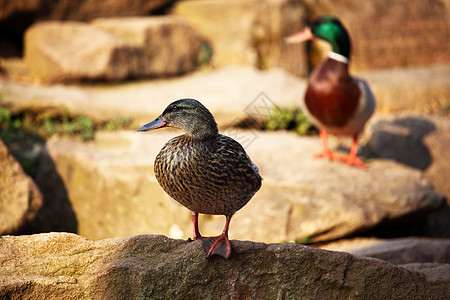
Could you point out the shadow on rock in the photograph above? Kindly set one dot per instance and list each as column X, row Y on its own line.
column 402, row 140
column 56, row 213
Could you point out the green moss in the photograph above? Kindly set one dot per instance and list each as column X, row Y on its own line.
column 24, row 144
column 62, row 125
column 305, row 241
column 205, row 54
column 25, row 132
column 118, row 123
column 289, row 119
column 445, row 108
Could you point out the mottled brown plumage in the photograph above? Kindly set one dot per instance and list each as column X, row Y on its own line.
column 221, row 179
column 205, row 171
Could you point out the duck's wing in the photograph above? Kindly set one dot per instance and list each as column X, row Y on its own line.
column 235, row 154
column 366, row 105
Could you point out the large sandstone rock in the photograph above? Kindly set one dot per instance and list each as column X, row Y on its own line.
column 420, row 141
column 71, row 51
column 386, row 34
column 417, row 140
column 113, row 49
column 17, row 16
column 249, row 32
column 300, row 199
column 273, row 21
column 142, row 267
column 20, row 199
column 169, row 45
column 81, row 10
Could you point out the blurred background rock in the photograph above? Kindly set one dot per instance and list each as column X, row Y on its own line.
column 384, row 34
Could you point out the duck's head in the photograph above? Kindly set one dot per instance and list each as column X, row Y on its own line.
column 327, row 28
column 188, row 115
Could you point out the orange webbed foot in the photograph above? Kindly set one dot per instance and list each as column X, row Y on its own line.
column 219, row 245
column 353, row 160
column 326, row 154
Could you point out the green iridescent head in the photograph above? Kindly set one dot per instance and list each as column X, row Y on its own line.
column 331, row 30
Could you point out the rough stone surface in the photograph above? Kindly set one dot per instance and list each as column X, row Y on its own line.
column 61, row 265
column 300, row 198
column 249, row 33
column 431, row 270
column 113, row 49
column 20, row 199
column 396, row 251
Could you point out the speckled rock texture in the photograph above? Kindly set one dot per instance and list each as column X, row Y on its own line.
column 67, row 266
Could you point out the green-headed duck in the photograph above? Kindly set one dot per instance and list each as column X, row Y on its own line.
column 334, row 101
column 204, row 171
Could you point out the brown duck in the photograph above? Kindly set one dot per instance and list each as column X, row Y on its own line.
column 205, row 171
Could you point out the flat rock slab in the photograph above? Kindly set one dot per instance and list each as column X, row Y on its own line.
column 68, row 266
column 301, row 198
column 229, row 93
column 232, row 94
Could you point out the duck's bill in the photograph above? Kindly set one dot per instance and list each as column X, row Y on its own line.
column 157, row 123
column 299, row 37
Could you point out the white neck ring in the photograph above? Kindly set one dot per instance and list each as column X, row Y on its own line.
column 338, row 57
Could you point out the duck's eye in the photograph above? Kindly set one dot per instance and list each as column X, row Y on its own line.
column 174, row 108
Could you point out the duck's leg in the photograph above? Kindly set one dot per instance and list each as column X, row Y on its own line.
column 219, row 245
column 326, row 153
column 352, row 159
column 197, row 234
